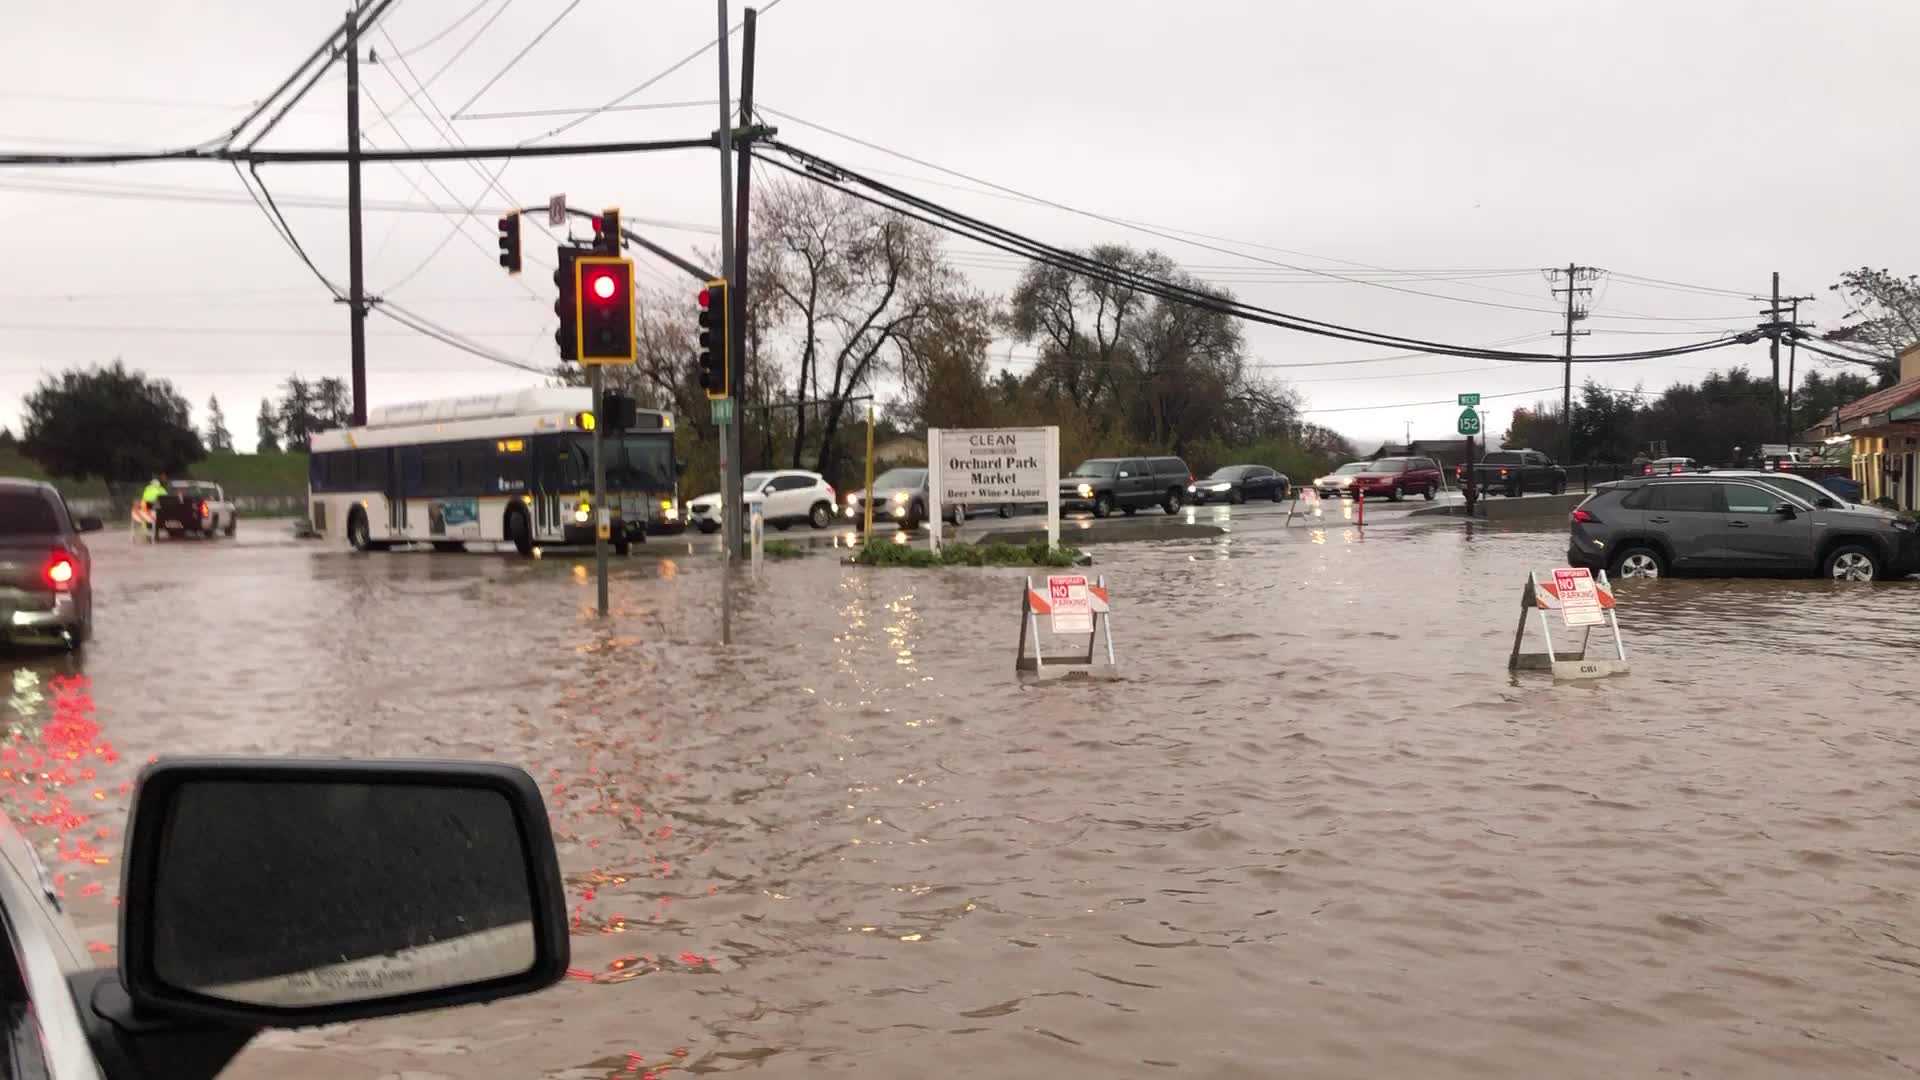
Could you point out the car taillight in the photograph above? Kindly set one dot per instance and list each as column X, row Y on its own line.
column 1503, row 472
column 1584, row 516
column 1646, row 470
column 59, row 571
column 203, row 509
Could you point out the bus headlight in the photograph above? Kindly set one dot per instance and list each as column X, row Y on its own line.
column 583, row 513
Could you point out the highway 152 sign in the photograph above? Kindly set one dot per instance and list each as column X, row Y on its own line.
column 1469, row 422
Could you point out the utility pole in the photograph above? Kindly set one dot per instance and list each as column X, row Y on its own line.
column 1774, row 327
column 742, row 212
column 733, row 503
column 1408, row 448
column 356, row 279
column 1575, row 310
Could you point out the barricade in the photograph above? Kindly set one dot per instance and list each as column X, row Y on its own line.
column 141, row 524
column 1074, row 606
column 1583, row 603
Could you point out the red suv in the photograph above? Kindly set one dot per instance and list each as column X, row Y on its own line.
column 1399, row 477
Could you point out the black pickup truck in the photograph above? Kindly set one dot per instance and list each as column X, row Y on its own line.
column 196, row 507
column 1516, row 472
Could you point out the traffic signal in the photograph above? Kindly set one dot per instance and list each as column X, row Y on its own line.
column 716, row 372
column 510, row 242
column 619, row 409
column 606, row 232
column 605, row 292
column 567, row 306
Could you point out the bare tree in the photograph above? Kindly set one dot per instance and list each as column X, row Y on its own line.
column 1883, row 318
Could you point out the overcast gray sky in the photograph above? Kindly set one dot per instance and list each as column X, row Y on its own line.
column 1707, row 143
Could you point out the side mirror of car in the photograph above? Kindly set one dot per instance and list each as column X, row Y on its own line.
column 1786, row 510
column 89, row 523
column 283, row 893
column 1124, row 474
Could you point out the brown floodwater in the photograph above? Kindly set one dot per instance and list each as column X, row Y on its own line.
column 1311, row 828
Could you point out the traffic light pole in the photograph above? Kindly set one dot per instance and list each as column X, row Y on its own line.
column 732, row 503
column 602, row 516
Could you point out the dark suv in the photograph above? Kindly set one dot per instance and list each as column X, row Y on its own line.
column 1104, row 485
column 1650, row 526
column 46, row 572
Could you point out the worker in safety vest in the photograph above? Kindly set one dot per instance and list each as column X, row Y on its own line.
column 150, row 496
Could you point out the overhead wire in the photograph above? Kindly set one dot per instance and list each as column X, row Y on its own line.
column 822, row 171
column 442, row 69
column 524, row 50
column 588, row 114
column 400, row 54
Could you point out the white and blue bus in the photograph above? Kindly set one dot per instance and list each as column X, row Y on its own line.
column 511, row 468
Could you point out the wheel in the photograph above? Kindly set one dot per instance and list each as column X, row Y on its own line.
column 232, row 524
column 1280, row 493
column 1103, row 505
column 1237, row 497
column 709, row 527
column 518, row 531
column 1637, row 561
column 1399, row 494
column 1128, row 510
column 1852, row 562
column 958, row 515
column 1173, row 502
column 358, row 535
column 821, row 515
column 1433, row 489
column 783, row 526
column 1559, row 487
column 1513, row 490
column 1004, row 511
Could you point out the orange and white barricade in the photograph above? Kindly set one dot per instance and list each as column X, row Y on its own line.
column 1584, row 602
column 1073, row 605
column 142, row 523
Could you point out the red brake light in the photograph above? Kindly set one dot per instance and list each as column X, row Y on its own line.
column 1581, row 514
column 1646, row 470
column 1503, row 472
column 59, row 571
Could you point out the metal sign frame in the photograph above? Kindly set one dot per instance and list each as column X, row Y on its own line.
column 1033, row 605
column 1539, row 598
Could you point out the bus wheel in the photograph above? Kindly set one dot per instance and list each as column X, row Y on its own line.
column 357, row 534
column 518, row 531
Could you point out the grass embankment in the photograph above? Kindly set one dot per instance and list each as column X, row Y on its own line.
column 239, row 474
column 887, row 553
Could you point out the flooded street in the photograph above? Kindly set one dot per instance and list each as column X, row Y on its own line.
column 1313, row 828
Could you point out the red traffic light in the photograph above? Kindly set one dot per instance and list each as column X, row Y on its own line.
column 604, row 286
column 706, row 300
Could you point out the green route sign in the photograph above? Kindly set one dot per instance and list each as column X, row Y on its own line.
column 1469, row 421
column 1469, row 399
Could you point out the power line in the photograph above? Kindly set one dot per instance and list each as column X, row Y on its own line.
column 544, row 31
column 822, row 171
column 1418, row 404
column 1184, row 236
column 401, row 54
column 588, row 114
column 442, row 69
column 517, row 114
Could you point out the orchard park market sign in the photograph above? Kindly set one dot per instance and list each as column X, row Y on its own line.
column 976, row 467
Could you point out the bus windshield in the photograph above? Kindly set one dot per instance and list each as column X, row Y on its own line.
column 635, row 462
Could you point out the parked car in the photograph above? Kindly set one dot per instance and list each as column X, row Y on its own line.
column 196, row 507
column 1670, row 466
column 900, row 496
column 46, row 572
column 1238, row 483
column 280, row 894
column 787, row 497
column 1846, row 487
column 1516, row 472
column 1340, row 481
column 1129, row 484
column 1719, row 524
column 1807, row 491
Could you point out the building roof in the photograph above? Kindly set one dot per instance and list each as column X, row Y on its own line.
column 1881, row 401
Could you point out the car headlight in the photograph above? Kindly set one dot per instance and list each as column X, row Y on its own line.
column 1905, row 524
column 1221, row 487
column 582, row 515
column 1086, row 491
column 900, row 497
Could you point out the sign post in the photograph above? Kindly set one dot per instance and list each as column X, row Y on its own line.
column 993, row 467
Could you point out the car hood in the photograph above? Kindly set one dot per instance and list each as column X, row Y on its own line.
column 1338, row 479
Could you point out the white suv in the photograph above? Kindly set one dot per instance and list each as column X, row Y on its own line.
column 787, row 497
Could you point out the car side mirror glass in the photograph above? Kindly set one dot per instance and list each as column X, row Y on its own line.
column 1124, row 474
column 282, row 893
column 89, row 523
column 1786, row 510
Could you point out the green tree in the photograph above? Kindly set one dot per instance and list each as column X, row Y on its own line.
column 1882, row 319
column 109, row 422
column 298, row 413
column 6, row 438
column 219, row 439
column 943, row 366
column 267, row 429
column 332, row 403
column 1818, row 396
